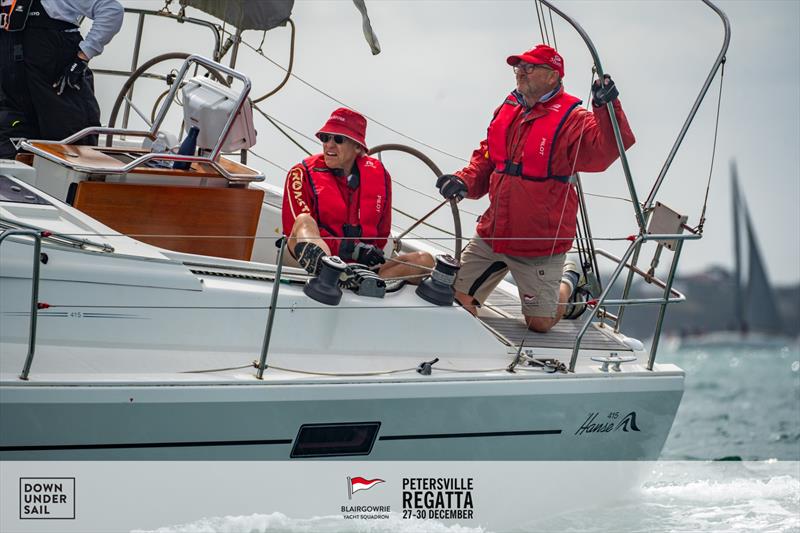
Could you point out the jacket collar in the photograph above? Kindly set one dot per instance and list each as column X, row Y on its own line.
column 543, row 100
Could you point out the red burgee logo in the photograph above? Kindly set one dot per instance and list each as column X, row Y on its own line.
column 355, row 484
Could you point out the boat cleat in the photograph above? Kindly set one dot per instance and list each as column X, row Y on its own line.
column 613, row 360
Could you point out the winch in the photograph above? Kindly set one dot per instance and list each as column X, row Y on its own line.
column 438, row 289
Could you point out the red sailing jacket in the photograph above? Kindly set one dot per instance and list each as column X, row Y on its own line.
column 532, row 207
column 311, row 187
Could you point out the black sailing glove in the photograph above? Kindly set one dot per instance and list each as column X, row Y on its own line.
column 72, row 76
column 602, row 95
column 451, row 186
column 368, row 254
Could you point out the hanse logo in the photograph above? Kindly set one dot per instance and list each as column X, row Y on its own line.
column 609, row 424
column 355, row 484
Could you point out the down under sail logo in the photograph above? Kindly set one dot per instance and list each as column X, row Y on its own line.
column 355, row 484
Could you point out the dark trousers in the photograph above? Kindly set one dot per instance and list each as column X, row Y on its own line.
column 30, row 62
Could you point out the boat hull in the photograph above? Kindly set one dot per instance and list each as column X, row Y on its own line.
column 613, row 417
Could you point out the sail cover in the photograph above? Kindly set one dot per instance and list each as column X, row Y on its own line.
column 246, row 14
column 268, row 14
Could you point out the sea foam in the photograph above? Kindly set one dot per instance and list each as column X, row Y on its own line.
column 280, row 523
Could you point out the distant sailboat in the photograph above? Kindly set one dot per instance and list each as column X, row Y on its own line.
column 756, row 310
column 756, row 321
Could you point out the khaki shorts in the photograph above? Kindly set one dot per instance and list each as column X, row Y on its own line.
column 538, row 278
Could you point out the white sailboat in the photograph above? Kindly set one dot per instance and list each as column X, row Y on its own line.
column 132, row 329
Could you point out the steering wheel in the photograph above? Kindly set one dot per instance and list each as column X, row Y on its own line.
column 435, row 169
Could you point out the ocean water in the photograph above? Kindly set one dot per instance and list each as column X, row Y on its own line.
column 731, row 463
column 739, row 404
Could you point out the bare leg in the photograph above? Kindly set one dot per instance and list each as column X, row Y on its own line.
column 411, row 267
column 544, row 324
column 305, row 229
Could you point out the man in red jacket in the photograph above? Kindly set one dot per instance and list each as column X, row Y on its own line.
column 539, row 137
column 339, row 203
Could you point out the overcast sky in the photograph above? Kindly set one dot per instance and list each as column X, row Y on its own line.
column 442, row 72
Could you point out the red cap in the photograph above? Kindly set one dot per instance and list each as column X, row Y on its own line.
column 541, row 55
column 347, row 122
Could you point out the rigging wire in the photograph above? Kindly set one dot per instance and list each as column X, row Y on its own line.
column 271, row 121
column 290, row 128
column 568, row 190
column 169, row 235
column 542, row 22
column 701, row 223
column 423, row 223
column 608, row 197
column 261, row 157
column 340, row 102
column 552, row 28
column 572, row 172
column 431, row 197
column 288, row 69
column 515, row 305
column 539, row 16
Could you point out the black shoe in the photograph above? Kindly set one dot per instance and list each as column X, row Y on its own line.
column 308, row 256
column 576, row 305
column 581, row 293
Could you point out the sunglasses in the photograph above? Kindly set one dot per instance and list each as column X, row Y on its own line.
column 325, row 137
column 527, row 68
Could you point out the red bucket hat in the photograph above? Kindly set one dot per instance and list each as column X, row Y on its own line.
column 541, row 55
column 347, row 122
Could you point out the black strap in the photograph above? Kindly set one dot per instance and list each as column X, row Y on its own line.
column 558, row 131
column 511, row 168
column 561, row 179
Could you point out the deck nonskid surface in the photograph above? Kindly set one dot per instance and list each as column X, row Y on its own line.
column 562, row 336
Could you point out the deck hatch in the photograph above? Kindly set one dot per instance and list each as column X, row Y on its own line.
column 330, row 440
column 11, row 191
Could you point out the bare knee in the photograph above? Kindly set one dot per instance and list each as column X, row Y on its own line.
column 423, row 259
column 539, row 324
